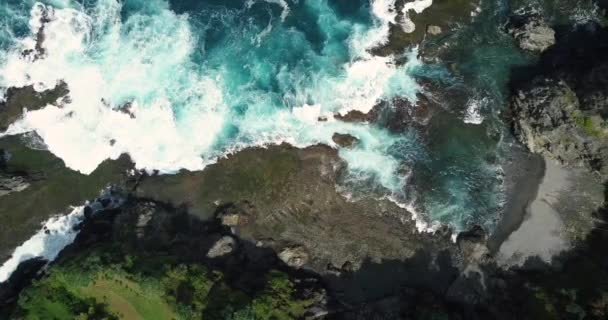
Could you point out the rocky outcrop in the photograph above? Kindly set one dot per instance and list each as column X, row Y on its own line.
column 547, row 119
column 224, row 246
column 21, row 278
column 18, row 99
column 562, row 111
column 353, row 116
column 344, row 140
column 410, row 28
column 294, row 256
column 531, row 32
column 10, row 184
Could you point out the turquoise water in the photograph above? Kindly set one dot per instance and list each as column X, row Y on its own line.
column 202, row 79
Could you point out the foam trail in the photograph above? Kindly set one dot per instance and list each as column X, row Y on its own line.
column 57, row 233
column 473, row 113
column 417, row 6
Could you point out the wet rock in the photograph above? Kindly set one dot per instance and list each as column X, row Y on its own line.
column 468, row 290
column 295, row 256
column 531, row 32
column 224, row 246
column 19, row 279
column 10, row 184
column 344, row 140
column 352, row 116
column 450, row 16
column 18, row 99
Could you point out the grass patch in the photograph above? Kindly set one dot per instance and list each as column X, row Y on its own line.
column 590, row 127
column 127, row 299
column 107, row 285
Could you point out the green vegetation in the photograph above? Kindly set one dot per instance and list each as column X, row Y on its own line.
column 102, row 285
column 589, row 126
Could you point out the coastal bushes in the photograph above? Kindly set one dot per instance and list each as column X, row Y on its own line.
column 103, row 285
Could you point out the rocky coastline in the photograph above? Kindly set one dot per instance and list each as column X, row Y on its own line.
column 278, row 208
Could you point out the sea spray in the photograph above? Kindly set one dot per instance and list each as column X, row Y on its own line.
column 181, row 84
column 57, row 233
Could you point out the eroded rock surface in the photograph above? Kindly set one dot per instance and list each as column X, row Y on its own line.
column 562, row 111
column 531, row 32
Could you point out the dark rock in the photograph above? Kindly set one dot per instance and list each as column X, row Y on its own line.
column 18, row 99
column 450, row 16
column 352, row 116
column 344, row 140
column 548, row 119
column 39, row 52
column 401, row 114
column 468, row 290
column 19, row 279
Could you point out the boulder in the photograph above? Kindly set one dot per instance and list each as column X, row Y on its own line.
column 352, row 116
column 224, row 246
column 295, row 256
column 344, row 140
column 531, row 32
column 433, row 30
column 548, row 119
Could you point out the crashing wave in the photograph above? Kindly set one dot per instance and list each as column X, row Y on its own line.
column 184, row 109
column 417, row 6
column 56, row 233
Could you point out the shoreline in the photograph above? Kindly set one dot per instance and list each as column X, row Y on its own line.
column 525, row 172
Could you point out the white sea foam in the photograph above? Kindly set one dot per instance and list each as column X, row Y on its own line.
column 282, row 3
column 56, row 233
column 417, row 6
column 177, row 110
column 151, row 63
column 473, row 113
column 422, row 222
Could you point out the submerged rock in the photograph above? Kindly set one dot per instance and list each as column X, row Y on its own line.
column 344, row 140
column 531, row 32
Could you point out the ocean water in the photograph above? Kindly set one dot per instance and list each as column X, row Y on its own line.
column 179, row 84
